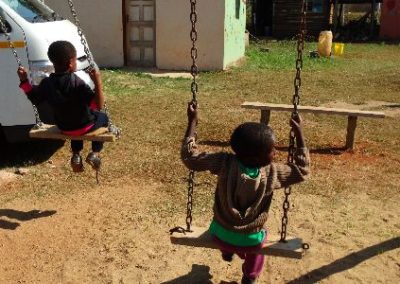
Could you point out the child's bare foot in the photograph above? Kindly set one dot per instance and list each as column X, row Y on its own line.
column 76, row 163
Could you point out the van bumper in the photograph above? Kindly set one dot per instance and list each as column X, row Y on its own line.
column 20, row 133
column 17, row 133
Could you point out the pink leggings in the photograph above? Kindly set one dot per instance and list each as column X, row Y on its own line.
column 253, row 263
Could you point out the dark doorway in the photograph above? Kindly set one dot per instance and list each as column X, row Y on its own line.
column 263, row 17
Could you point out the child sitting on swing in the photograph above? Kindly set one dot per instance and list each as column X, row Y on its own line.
column 246, row 181
column 76, row 106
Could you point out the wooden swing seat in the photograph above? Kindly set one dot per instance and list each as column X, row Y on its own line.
column 52, row 132
column 200, row 237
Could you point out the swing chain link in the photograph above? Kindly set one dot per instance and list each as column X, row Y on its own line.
column 296, row 102
column 189, row 207
column 39, row 123
column 4, row 30
column 81, row 35
column 194, row 70
column 111, row 127
column 10, row 43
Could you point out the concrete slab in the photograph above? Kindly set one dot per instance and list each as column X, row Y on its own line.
column 157, row 73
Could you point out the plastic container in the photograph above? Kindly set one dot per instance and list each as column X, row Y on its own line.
column 325, row 43
column 338, row 48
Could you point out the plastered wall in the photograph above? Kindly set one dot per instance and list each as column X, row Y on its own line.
column 234, row 31
column 101, row 21
column 221, row 27
column 173, row 34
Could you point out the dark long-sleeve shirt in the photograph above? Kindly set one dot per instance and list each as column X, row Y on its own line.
column 69, row 96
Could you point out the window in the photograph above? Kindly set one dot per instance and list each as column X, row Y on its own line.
column 238, row 9
column 315, row 6
column 8, row 28
column 33, row 10
column 6, row 24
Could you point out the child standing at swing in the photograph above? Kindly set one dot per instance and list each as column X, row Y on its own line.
column 246, row 180
column 76, row 106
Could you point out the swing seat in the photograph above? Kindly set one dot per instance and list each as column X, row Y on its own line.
column 200, row 237
column 52, row 132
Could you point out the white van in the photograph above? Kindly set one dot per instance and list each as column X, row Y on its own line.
column 32, row 26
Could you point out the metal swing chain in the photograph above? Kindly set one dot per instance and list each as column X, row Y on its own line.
column 81, row 35
column 3, row 28
column 111, row 127
column 10, row 43
column 194, row 90
column 194, row 70
column 296, row 102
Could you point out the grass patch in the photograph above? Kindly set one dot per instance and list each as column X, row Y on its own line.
column 151, row 112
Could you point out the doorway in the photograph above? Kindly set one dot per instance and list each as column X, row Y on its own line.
column 140, row 33
column 264, row 15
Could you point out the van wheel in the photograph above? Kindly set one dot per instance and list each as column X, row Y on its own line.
column 3, row 139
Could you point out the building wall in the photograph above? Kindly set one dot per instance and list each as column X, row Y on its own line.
column 173, row 27
column 390, row 20
column 220, row 34
column 235, row 25
column 286, row 18
column 102, row 24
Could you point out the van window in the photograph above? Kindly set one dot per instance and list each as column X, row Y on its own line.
column 33, row 11
column 6, row 24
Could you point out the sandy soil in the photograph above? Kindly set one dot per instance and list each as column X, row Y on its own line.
column 6, row 178
column 118, row 235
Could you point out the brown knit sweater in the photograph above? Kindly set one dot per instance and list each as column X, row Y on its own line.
column 242, row 203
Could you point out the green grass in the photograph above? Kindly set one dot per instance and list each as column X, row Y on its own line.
column 282, row 54
column 151, row 112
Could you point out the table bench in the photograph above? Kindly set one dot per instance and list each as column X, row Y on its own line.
column 352, row 115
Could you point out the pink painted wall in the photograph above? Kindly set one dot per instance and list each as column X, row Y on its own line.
column 390, row 19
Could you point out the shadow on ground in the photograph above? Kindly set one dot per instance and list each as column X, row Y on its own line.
column 21, row 216
column 393, row 106
column 199, row 274
column 214, row 143
column 347, row 262
column 27, row 154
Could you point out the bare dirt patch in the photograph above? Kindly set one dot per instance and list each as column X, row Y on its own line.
column 6, row 178
column 57, row 227
column 119, row 235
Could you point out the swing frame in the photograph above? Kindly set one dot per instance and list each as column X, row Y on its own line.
column 46, row 131
column 283, row 245
column 200, row 237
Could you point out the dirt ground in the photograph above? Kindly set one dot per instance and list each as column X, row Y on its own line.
column 116, row 235
column 57, row 227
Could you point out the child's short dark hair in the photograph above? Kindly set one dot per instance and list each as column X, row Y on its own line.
column 252, row 143
column 60, row 53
